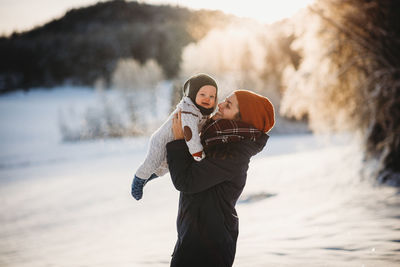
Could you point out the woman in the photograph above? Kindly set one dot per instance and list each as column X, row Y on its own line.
column 207, row 222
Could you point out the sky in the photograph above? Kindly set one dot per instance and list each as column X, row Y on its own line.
column 21, row 15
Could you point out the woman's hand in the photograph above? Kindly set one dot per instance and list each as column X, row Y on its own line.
column 177, row 126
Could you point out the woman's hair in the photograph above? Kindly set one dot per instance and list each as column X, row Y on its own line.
column 238, row 117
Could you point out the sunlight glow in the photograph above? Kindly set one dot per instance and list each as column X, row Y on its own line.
column 17, row 15
column 21, row 15
column 266, row 11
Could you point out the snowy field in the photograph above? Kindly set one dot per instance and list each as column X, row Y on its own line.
column 69, row 204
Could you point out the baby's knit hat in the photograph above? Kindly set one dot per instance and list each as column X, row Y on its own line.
column 194, row 83
column 256, row 110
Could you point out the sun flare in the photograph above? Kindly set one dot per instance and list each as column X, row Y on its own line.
column 16, row 15
column 263, row 11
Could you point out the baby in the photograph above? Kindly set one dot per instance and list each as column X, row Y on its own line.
column 198, row 102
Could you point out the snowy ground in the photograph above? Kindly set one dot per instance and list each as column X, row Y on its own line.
column 69, row 204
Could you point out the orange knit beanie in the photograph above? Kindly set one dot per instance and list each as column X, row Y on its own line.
column 256, row 110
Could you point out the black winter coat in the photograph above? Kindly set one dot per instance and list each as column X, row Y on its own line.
column 207, row 221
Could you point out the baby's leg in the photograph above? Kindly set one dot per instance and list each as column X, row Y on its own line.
column 156, row 153
column 163, row 169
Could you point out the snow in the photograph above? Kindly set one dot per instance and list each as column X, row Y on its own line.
column 69, row 204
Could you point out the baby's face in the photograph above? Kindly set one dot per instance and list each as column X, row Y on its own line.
column 206, row 96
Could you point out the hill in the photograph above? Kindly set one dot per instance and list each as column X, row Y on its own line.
column 86, row 43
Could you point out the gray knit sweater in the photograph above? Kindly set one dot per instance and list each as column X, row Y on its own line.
column 192, row 122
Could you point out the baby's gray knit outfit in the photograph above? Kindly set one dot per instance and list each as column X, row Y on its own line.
column 192, row 122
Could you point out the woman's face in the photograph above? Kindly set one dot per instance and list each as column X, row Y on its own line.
column 228, row 109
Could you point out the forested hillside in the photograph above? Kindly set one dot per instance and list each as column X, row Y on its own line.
column 86, row 43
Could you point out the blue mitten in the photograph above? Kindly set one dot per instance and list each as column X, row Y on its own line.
column 138, row 184
column 137, row 187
